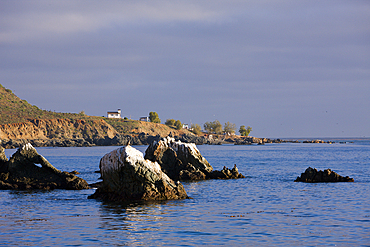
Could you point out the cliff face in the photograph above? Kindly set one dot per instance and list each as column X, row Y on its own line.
column 58, row 129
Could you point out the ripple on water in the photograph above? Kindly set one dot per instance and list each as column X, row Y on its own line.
column 266, row 208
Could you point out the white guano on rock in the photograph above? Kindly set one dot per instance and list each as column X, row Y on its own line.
column 128, row 176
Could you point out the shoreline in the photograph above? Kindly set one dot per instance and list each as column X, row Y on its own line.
column 145, row 139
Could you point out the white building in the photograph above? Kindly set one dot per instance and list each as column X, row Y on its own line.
column 114, row 114
column 145, row 119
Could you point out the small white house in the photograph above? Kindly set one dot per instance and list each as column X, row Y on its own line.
column 145, row 119
column 185, row 126
column 114, row 114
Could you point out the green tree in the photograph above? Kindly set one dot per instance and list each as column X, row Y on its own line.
column 196, row 129
column 245, row 131
column 170, row 122
column 229, row 128
column 213, row 127
column 208, row 127
column 153, row 117
column 178, row 125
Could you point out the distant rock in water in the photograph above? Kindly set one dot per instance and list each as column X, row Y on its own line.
column 226, row 173
column 183, row 161
column 21, row 172
column 128, row 176
column 311, row 175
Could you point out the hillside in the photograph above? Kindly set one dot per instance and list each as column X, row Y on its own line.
column 22, row 122
column 15, row 110
column 133, row 127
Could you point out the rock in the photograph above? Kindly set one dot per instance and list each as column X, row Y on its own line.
column 311, row 175
column 128, row 176
column 226, row 173
column 180, row 161
column 317, row 141
column 20, row 172
column 183, row 161
column 3, row 160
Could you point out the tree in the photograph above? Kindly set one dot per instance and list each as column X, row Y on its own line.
column 178, row 125
column 245, row 132
column 170, row 122
column 208, row 127
column 153, row 117
column 229, row 128
column 213, row 127
column 196, row 129
column 217, row 127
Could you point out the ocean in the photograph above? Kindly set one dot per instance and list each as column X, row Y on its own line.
column 267, row 208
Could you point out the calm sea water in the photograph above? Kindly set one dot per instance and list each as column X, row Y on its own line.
column 265, row 209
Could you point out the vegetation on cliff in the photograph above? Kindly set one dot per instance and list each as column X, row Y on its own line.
column 20, row 120
column 133, row 127
column 15, row 110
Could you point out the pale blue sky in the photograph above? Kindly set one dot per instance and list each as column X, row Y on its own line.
column 285, row 68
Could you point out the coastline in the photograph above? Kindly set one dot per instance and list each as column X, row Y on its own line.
column 146, row 139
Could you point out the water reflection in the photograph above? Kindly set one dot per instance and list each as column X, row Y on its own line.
column 134, row 223
column 267, row 208
column 125, row 216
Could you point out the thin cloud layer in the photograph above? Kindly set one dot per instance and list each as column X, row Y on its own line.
column 286, row 68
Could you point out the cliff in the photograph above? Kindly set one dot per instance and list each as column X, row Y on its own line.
column 21, row 123
column 57, row 128
column 76, row 132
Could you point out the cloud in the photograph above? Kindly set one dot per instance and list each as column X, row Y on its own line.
column 39, row 19
column 282, row 60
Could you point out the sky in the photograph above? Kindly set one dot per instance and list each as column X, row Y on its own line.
column 286, row 68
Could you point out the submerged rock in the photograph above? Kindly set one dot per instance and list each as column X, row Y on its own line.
column 128, row 176
column 183, row 161
column 21, row 172
column 311, row 175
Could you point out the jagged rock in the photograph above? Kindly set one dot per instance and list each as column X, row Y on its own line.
column 317, row 141
column 128, row 176
column 183, row 161
column 180, row 161
column 226, row 173
column 3, row 160
column 311, row 175
column 20, row 172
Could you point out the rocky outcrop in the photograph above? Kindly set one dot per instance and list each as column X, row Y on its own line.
column 249, row 140
column 318, row 141
column 128, row 176
column 21, row 172
column 226, row 173
column 58, row 132
column 3, row 160
column 180, row 161
column 183, row 161
column 311, row 175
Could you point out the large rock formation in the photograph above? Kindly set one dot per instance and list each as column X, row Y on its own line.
column 128, row 176
column 183, row 161
column 180, row 161
column 21, row 172
column 311, row 175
